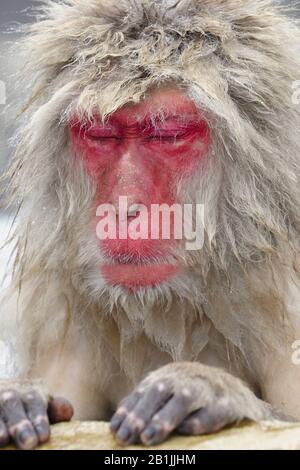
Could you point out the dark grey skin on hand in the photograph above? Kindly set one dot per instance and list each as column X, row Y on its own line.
column 189, row 398
column 25, row 418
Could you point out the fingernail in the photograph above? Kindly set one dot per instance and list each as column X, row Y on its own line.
column 123, row 435
column 24, row 436
column 149, row 433
column 27, row 440
column 115, row 423
column 43, row 432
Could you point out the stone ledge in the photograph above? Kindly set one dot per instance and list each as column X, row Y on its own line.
column 96, row 436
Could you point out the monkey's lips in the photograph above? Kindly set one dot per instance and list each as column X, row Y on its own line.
column 134, row 276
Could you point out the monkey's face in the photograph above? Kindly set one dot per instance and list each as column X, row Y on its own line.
column 137, row 158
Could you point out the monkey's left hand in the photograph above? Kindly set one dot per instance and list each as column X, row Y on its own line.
column 188, row 397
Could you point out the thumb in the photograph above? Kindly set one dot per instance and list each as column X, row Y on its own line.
column 60, row 410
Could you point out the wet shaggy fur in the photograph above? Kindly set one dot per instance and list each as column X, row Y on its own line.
column 238, row 61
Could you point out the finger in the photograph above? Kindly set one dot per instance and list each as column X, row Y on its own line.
column 4, row 435
column 125, row 407
column 167, row 419
column 36, row 409
column 60, row 410
column 18, row 425
column 205, row 421
column 136, row 421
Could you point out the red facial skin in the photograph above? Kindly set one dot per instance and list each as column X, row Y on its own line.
column 141, row 156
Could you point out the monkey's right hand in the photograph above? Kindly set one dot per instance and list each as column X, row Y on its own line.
column 26, row 415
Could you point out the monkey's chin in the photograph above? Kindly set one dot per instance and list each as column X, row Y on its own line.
column 134, row 276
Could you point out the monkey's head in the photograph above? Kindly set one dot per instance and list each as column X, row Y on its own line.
column 157, row 104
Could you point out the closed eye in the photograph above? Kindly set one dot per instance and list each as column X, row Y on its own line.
column 164, row 138
column 102, row 134
column 102, row 138
column 167, row 138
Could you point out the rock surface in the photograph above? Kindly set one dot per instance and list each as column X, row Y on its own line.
column 96, row 436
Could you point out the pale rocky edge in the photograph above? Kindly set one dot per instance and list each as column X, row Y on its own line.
column 96, row 436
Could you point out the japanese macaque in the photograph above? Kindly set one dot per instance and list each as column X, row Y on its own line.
column 170, row 104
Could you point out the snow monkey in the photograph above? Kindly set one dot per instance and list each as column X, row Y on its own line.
column 163, row 104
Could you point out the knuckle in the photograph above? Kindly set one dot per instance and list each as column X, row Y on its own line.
column 131, row 417
column 161, row 427
column 163, row 424
column 122, row 410
column 20, row 427
column 156, row 420
column 29, row 399
column 135, row 421
column 140, row 424
column 141, row 390
column 33, row 396
column 161, row 386
column 195, row 426
column 185, row 396
column 186, row 392
column 167, row 427
column 41, row 420
column 8, row 396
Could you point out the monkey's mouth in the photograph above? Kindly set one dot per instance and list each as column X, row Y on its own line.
column 134, row 276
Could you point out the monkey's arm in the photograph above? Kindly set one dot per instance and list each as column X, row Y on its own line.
column 280, row 385
column 188, row 397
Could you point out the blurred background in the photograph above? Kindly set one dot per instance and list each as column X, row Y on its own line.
column 12, row 12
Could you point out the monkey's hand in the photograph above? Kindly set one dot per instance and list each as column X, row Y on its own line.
column 26, row 413
column 188, row 397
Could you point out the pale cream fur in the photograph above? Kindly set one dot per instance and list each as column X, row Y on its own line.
column 237, row 306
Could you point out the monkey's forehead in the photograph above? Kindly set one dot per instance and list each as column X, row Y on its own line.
column 160, row 105
column 104, row 54
column 95, row 56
